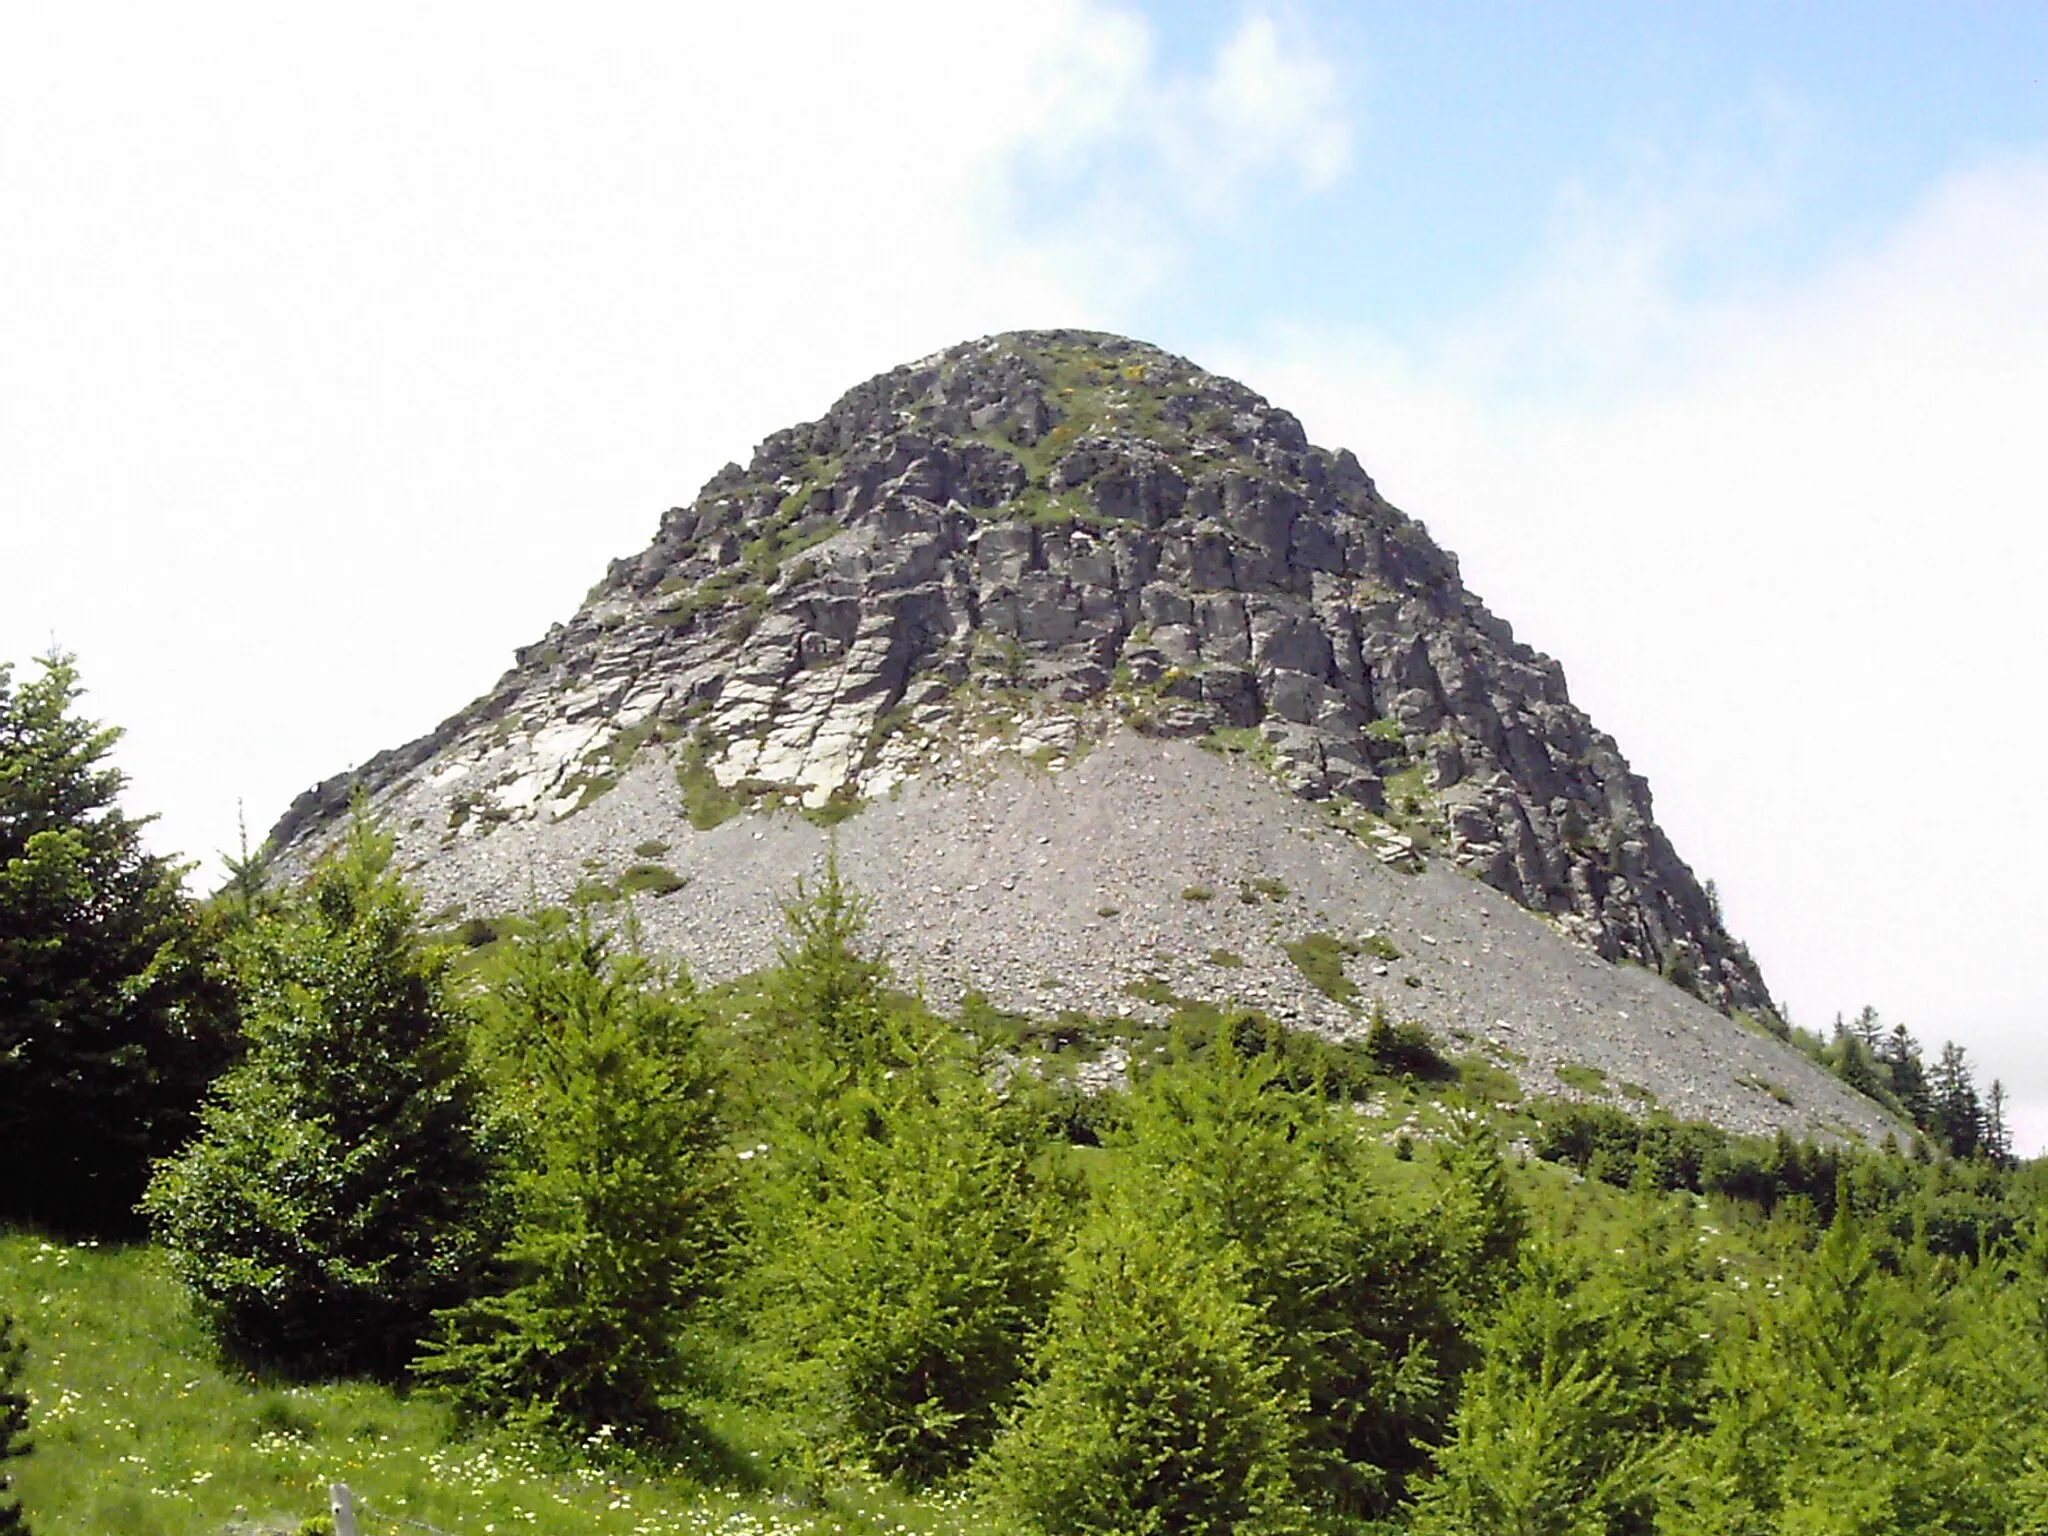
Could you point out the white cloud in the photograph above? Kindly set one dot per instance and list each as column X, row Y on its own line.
column 344, row 348
column 1270, row 104
column 1797, row 572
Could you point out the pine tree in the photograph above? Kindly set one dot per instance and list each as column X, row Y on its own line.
column 112, row 1020
column 13, row 1425
column 336, row 1195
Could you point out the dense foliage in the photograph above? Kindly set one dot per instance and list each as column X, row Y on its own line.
column 335, row 1197
column 615, row 1165
column 574, row 1194
column 906, row 1224
column 13, row 1425
column 111, row 1020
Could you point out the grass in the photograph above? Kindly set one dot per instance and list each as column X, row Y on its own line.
column 1320, row 957
column 1245, row 742
column 1582, row 1078
column 140, row 1430
column 1766, row 1087
column 651, row 880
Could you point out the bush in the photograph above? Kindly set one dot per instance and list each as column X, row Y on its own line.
column 620, row 1187
column 113, row 1018
column 335, row 1197
column 908, row 1253
column 1158, row 1406
column 13, row 1425
column 1365, row 1305
column 1405, row 1049
column 826, row 987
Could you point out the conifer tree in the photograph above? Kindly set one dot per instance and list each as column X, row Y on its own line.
column 112, row 1020
column 1958, row 1114
column 620, row 1185
column 1585, row 1368
column 906, row 1231
column 13, row 1425
column 828, row 984
column 1159, row 1405
column 336, row 1195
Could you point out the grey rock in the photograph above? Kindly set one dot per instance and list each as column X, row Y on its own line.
column 1026, row 542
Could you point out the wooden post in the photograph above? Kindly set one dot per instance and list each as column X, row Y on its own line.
column 344, row 1506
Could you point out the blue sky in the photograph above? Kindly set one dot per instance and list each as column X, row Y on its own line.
column 344, row 348
column 1811, row 127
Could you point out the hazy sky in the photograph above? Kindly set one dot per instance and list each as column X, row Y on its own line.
column 340, row 349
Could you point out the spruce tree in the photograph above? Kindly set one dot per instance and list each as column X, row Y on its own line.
column 13, row 1425
column 620, row 1184
column 906, row 1230
column 1160, row 1404
column 1958, row 1114
column 112, row 1021
column 336, row 1195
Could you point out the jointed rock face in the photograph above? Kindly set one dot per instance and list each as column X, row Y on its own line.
column 1024, row 542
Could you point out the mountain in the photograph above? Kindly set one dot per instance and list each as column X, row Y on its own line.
column 1118, row 688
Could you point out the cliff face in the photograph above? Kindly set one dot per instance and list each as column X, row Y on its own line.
column 1026, row 542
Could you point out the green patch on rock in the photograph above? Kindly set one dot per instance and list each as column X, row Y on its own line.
column 1320, row 957
column 651, row 880
column 1584, row 1079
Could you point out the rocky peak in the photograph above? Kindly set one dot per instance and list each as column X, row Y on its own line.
column 1037, row 538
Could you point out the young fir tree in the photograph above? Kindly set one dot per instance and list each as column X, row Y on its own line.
column 1587, row 1368
column 112, row 1019
column 827, row 990
column 906, row 1228
column 1368, row 1306
column 13, row 1425
column 336, row 1195
column 1837, row 1414
column 1159, row 1404
column 620, row 1185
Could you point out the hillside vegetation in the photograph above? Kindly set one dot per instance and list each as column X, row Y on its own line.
column 517, row 1228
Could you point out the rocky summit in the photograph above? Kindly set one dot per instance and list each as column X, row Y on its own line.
column 1117, row 689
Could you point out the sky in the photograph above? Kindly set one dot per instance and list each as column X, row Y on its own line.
column 341, row 348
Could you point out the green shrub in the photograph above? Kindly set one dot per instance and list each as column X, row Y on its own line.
column 13, row 1425
column 1405, row 1049
column 113, row 1017
column 336, row 1195
column 619, row 1183
column 1158, row 1405
column 1198, row 893
column 908, row 1249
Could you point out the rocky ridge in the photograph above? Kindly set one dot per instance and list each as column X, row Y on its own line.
column 1030, row 541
